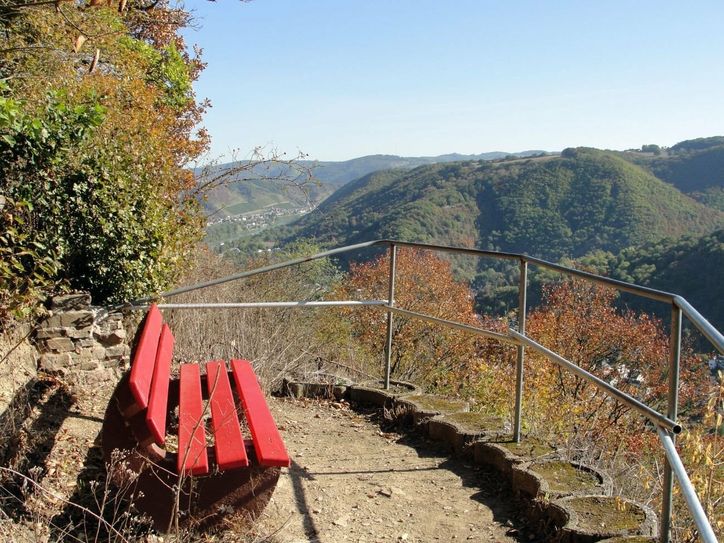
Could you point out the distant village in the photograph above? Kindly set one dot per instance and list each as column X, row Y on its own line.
column 228, row 232
column 256, row 220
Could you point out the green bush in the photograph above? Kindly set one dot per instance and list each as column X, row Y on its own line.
column 26, row 266
column 89, row 218
column 95, row 146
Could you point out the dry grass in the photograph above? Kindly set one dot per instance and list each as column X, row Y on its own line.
column 279, row 342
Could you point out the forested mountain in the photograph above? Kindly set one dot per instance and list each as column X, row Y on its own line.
column 603, row 210
column 695, row 167
column 551, row 207
column 255, row 189
column 691, row 266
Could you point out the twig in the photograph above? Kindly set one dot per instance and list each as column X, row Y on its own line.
column 269, row 537
column 7, row 355
column 64, row 500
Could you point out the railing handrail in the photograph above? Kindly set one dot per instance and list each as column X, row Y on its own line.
column 661, row 421
column 698, row 320
column 664, row 424
column 706, row 532
column 700, row 323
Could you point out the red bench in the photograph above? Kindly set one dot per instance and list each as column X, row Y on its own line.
column 234, row 474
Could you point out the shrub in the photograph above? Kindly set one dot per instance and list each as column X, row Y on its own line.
column 96, row 160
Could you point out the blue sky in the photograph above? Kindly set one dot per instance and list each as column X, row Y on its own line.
column 339, row 79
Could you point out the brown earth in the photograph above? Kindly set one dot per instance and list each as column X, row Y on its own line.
column 349, row 481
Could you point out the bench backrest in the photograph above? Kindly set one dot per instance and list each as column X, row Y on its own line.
column 151, row 370
column 144, row 358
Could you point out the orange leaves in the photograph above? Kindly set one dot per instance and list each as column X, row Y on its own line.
column 425, row 284
column 580, row 322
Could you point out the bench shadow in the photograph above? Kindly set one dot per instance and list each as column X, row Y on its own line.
column 97, row 509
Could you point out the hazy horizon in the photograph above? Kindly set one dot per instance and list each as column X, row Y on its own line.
column 345, row 80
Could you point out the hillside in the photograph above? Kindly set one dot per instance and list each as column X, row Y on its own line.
column 690, row 266
column 550, row 207
column 695, row 167
column 252, row 191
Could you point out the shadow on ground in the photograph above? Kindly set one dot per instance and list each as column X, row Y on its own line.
column 30, row 428
column 486, row 486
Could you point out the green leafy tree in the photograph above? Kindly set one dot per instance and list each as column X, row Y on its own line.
column 97, row 130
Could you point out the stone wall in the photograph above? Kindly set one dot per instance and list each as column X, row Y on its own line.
column 85, row 345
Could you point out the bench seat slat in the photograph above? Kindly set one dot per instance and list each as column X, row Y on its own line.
column 145, row 357
column 228, row 441
column 192, row 457
column 158, row 398
column 268, row 444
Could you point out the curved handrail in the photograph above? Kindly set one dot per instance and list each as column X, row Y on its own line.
column 706, row 533
column 679, row 305
column 699, row 322
column 654, row 416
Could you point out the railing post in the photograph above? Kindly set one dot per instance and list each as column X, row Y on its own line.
column 672, row 413
column 522, row 294
column 391, row 299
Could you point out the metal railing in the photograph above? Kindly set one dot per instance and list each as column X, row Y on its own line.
column 665, row 424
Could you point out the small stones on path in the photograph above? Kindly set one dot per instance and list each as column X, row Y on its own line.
column 352, row 481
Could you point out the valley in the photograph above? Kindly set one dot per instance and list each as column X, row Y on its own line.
column 617, row 213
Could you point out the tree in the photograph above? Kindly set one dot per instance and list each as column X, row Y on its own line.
column 97, row 129
column 98, row 133
column 426, row 353
column 579, row 321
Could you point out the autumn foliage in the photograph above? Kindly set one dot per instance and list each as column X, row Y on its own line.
column 97, row 130
column 424, row 352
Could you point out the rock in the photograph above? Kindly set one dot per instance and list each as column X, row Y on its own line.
column 77, row 319
column 48, row 333
column 56, row 362
column 60, row 344
column 66, row 302
column 87, row 365
column 96, row 352
column 117, row 351
column 80, row 333
column 114, row 337
column 71, row 319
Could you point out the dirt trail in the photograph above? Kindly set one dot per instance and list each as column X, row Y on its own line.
column 349, row 481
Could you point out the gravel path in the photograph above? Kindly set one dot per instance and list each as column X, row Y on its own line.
column 350, row 481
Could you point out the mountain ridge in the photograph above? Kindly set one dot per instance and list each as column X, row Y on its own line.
column 253, row 191
column 566, row 206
